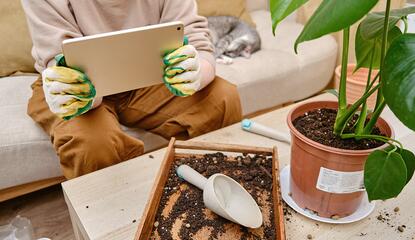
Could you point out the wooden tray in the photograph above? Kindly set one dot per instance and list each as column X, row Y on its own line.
column 147, row 221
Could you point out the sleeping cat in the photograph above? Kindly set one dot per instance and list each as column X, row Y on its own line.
column 232, row 38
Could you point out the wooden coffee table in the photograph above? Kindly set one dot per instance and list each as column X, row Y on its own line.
column 108, row 204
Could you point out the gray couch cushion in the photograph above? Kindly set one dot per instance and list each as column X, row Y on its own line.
column 26, row 153
column 273, row 75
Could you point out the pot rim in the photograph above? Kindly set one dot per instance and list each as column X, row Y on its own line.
column 349, row 78
column 326, row 148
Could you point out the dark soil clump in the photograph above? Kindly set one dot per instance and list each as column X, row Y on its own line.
column 317, row 125
column 182, row 214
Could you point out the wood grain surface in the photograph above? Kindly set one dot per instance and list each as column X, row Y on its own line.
column 116, row 196
column 148, row 218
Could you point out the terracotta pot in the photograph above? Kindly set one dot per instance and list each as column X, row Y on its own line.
column 308, row 157
column 356, row 84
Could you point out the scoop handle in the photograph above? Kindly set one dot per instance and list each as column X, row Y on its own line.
column 263, row 130
column 190, row 175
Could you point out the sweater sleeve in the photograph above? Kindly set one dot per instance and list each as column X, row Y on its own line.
column 196, row 27
column 50, row 22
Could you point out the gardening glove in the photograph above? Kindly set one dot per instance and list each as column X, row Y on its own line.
column 68, row 92
column 182, row 72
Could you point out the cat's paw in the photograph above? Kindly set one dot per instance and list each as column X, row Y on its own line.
column 224, row 60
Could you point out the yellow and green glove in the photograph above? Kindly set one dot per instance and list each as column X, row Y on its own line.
column 182, row 72
column 68, row 92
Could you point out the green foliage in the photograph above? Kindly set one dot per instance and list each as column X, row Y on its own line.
column 332, row 16
column 280, row 9
column 365, row 48
column 372, row 26
column 409, row 159
column 385, row 175
column 398, row 83
column 333, row 92
column 407, row 156
column 386, row 171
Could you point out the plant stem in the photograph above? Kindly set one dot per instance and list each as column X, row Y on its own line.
column 360, row 124
column 368, row 87
column 367, row 136
column 383, row 50
column 362, row 119
column 370, row 136
column 394, row 149
column 374, row 118
column 405, row 22
column 374, row 80
column 340, row 122
column 380, row 101
column 343, row 76
column 343, row 117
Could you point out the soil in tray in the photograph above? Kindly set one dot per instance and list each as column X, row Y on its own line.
column 317, row 125
column 182, row 214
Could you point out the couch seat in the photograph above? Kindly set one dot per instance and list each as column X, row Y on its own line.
column 26, row 152
column 276, row 75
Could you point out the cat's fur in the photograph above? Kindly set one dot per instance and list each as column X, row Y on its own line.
column 233, row 38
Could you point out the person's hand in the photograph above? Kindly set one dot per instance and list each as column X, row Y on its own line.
column 68, row 92
column 182, row 72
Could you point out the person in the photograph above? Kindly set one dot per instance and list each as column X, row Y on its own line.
column 85, row 130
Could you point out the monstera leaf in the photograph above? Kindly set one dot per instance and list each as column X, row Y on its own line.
column 332, row 16
column 409, row 159
column 372, row 25
column 398, row 79
column 365, row 48
column 385, row 175
column 280, row 9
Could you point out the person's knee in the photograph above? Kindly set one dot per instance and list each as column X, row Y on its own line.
column 227, row 97
column 84, row 152
column 225, row 90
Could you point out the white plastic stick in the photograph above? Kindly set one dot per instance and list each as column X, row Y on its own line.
column 190, row 175
column 265, row 131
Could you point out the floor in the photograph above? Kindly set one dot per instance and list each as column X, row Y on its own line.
column 47, row 211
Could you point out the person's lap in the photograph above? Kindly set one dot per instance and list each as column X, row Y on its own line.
column 95, row 140
column 155, row 109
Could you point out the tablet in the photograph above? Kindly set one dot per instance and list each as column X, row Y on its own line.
column 124, row 60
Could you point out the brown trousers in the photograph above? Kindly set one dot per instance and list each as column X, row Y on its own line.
column 94, row 140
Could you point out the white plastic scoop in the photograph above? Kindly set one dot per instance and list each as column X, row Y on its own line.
column 225, row 197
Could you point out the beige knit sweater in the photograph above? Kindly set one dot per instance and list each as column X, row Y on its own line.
column 52, row 21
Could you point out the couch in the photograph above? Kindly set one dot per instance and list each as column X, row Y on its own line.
column 273, row 76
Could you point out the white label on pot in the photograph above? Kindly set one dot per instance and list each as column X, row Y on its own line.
column 333, row 181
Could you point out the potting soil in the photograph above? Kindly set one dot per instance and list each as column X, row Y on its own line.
column 317, row 125
column 182, row 214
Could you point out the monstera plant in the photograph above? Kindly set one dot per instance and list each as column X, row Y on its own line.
column 379, row 44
